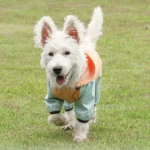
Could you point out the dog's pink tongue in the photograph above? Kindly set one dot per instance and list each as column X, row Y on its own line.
column 60, row 79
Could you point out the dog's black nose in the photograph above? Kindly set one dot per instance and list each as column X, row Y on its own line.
column 57, row 70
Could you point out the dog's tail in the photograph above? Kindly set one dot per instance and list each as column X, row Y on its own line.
column 94, row 29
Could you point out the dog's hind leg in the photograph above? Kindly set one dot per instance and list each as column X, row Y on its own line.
column 93, row 119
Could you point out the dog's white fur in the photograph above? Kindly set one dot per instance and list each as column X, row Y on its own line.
column 58, row 43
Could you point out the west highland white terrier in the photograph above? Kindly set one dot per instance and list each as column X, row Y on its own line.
column 73, row 69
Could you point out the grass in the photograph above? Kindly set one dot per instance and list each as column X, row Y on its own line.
column 124, row 111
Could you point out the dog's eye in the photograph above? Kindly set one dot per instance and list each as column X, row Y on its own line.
column 50, row 54
column 67, row 53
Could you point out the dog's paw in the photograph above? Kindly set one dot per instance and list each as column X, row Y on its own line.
column 69, row 126
column 57, row 119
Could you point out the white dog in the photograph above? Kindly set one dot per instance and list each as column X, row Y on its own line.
column 73, row 70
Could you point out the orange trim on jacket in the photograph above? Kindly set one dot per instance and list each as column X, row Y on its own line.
column 94, row 67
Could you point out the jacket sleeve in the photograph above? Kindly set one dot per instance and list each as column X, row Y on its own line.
column 53, row 104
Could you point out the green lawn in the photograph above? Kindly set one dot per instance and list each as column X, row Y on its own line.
column 124, row 111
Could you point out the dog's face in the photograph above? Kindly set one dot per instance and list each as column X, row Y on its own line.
column 62, row 56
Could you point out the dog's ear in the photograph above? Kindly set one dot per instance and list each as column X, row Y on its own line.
column 43, row 30
column 74, row 28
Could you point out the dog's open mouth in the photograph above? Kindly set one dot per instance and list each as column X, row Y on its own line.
column 61, row 79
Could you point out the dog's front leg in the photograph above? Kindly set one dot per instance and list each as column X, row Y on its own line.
column 69, row 115
column 58, row 119
column 81, row 131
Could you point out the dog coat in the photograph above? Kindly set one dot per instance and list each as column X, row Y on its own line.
column 94, row 67
column 85, row 95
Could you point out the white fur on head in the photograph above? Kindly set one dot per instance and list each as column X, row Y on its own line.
column 43, row 30
column 74, row 28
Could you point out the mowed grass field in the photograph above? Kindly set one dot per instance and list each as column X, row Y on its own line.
column 124, row 111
